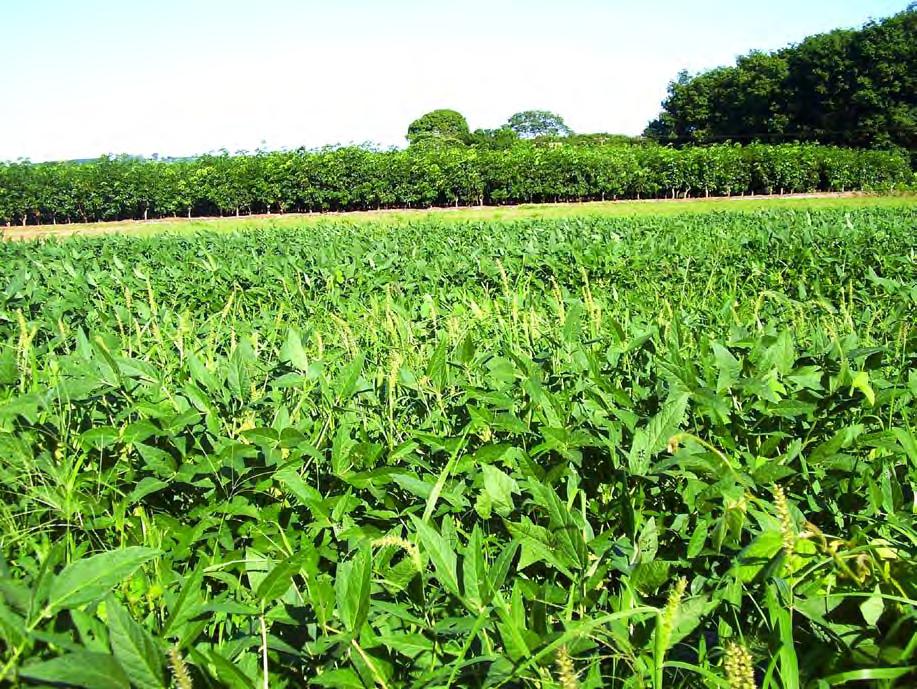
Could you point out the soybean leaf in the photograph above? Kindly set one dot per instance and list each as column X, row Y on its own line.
column 352, row 588
column 134, row 648
column 92, row 577
column 440, row 553
column 280, row 578
column 79, row 669
column 292, row 351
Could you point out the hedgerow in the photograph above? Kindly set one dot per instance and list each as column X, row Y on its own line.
column 340, row 179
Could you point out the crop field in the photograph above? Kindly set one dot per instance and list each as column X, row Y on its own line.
column 623, row 452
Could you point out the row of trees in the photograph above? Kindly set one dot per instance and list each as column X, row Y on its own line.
column 846, row 87
column 353, row 178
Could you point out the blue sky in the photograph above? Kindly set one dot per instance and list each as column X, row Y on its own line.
column 178, row 77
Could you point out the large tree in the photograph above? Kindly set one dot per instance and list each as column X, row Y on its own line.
column 446, row 126
column 847, row 87
column 533, row 123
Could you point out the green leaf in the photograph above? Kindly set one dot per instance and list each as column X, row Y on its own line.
column 352, row 587
column 648, row 543
column 537, row 546
column 292, row 351
column 349, row 377
column 861, row 382
column 134, row 648
column 497, row 493
column 146, row 486
column 100, row 438
column 650, row 440
column 280, row 578
column 440, row 553
column 90, row 578
column 649, row 576
column 729, row 367
column 79, row 669
column 698, row 539
column 566, row 535
column 908, row 443
column 409, row 645
column 9, row 372
column 756, row 555
column 229, row 672
column 343, row 678
column 474, row 571
column 873, row 607
column 868, row 675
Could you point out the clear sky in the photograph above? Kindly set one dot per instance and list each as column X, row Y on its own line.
column 178, row 77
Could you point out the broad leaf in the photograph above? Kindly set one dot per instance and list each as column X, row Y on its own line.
column 92, row 577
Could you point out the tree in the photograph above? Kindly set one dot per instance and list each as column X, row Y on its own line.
column 533, row 123
column 447, row 126
column 846, row 87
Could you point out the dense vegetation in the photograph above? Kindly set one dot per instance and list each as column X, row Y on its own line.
column 846, row 87
column 647, row 452
column 427, row 174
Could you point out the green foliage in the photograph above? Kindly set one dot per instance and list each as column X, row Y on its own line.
column 447, row 126
column 499, row 139
column 850, row 88
column 499, row 170
column 535, row 123
column 635, row 452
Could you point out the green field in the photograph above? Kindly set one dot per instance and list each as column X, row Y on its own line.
column 639, row 446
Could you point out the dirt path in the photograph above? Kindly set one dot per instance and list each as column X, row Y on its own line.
column 460, row 212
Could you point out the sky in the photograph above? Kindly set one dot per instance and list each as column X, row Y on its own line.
column 180, row 77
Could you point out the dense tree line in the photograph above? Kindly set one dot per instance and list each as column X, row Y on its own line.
column 846, row 87
column 353, row 178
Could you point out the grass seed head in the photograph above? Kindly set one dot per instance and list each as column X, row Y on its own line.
column 740, row 670
column 396, row 541
column 566, row 671
column 676, row 593
column 179, row 669
column 787, row 529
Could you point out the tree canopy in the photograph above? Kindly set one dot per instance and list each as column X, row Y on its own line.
column 532, row 123
column 445, row 125
column 846, row 87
